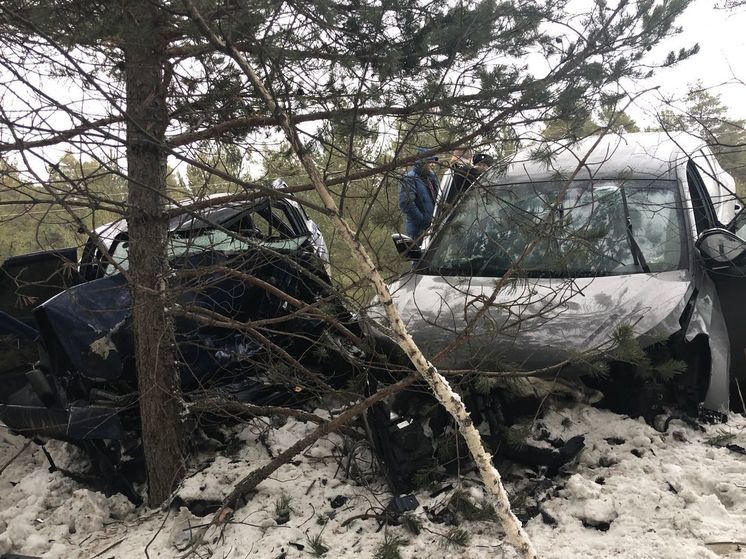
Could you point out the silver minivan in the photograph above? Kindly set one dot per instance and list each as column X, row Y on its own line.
column 557, row 259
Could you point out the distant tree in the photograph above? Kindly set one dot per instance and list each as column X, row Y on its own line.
column 613, row 117
column 32, row 220
column 705, row 116
column 609, row 116
column 202, row 181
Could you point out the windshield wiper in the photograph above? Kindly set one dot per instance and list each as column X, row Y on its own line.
column 637, row 256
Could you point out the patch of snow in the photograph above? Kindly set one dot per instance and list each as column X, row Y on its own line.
column 666, row 502
column 633, row 492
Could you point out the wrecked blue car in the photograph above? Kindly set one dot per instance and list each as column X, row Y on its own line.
column 66, row 338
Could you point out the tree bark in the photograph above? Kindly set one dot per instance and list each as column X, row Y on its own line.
column 147, row 119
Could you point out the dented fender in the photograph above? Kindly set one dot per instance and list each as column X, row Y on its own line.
column 707, row 319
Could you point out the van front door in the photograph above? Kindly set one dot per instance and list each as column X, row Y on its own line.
column 724, row 250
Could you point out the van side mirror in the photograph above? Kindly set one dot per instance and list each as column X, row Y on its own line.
column 722, row 247
column 406, row 247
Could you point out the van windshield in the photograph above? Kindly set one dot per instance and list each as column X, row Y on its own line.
column 556, row 229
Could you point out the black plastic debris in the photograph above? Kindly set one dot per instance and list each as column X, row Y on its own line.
column 548, row 518
column 414, row 438
column 600, row 526
column 199, row 507
column 402, row 446
column 441, row 490
column 338, row 501
column 552, row 459
column 401, row 504
column 736, row 448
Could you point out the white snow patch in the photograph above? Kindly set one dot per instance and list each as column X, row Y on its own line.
column 659, row 495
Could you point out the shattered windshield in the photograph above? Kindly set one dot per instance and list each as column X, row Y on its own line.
column 556, row 229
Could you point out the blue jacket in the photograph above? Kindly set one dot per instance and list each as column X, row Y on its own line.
column 417, row 202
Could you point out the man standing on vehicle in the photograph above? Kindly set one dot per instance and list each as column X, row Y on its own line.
column 463, row 170
column 482, row 162
column 419, row 188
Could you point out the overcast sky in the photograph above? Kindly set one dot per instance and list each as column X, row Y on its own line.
column 720, row 63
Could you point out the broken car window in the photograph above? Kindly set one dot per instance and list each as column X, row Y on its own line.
column 586, row 228
column 268, row 227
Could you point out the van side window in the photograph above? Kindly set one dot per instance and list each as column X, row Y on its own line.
column 738, row 226
column 720, row 186
column 704, row 213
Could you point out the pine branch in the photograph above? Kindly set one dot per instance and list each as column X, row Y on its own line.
column 438, row 384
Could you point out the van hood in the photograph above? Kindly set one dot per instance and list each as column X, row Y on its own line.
column 536, row 322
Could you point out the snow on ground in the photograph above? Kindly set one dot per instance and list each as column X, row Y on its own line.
column 633, row 492
column 665, row 495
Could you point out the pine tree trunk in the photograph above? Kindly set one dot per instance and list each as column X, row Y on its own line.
column 147, row 119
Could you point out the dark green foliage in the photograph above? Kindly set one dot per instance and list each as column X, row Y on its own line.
column 394, row 54
column 364, row 83
column 282, row 508
column 316, row 544
column 670, row 368
column 369, row 205
column 580, row 118
column 430, row 72
column 485, row 384
column 412, row 523
column 450, row 447
column 389, row 548
column 216, row 100
column 627, row 349
column 721, row 437
column 461, row 504
column 595, row 367
column 458, row 537
column 704, row 115
column 516, row 436
column 32, row 218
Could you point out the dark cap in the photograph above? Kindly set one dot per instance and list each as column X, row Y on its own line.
column 482, row 158
column 421, row 151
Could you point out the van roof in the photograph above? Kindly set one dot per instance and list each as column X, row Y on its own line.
column 647, row 155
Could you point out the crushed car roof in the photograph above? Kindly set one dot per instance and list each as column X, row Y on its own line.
column 205, row 217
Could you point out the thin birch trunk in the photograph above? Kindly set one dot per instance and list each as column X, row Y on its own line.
column 438, row 384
